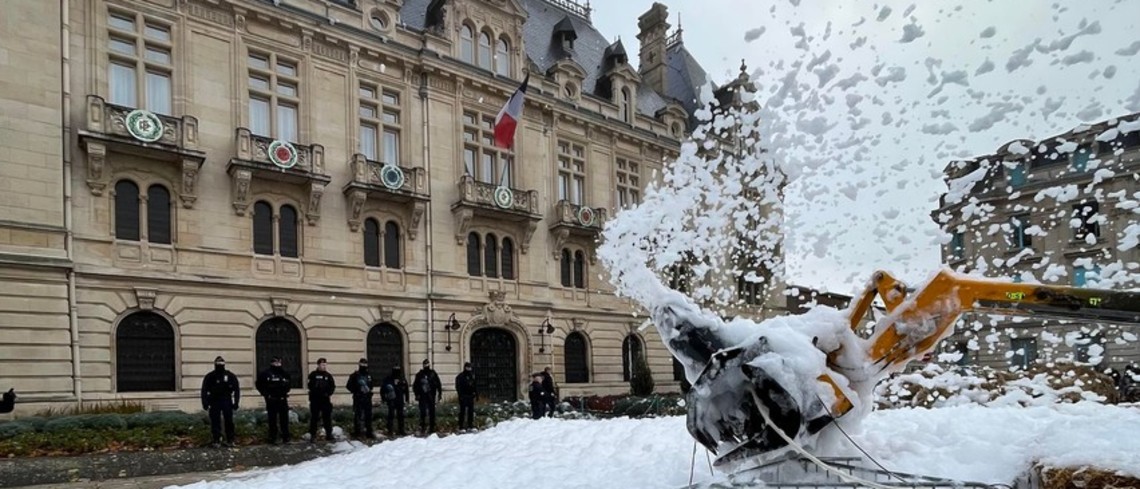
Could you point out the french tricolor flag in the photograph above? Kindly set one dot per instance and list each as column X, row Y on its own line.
column 509, row 117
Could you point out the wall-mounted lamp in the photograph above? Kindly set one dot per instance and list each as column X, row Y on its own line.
column 543, row 330
column 451, row 325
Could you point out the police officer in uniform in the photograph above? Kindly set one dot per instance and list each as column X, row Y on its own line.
column 321, row 387
column 274, row 385
column 360, row 385
column 221, row 393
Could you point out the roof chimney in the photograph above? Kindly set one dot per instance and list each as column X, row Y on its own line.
column 654, row 28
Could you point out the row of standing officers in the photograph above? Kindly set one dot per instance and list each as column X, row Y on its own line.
column 221, row 396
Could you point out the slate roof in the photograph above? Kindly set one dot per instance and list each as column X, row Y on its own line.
column 683, row 79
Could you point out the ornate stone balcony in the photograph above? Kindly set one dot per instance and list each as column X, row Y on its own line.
column 574, row 220
column 495, row 203
column 126, row 130
column 274, row 160
column 389, row 184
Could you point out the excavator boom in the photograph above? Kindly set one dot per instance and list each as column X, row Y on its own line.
column 917, row 320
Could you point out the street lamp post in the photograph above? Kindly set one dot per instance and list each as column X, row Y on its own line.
column 451, row 325
column 543, row 330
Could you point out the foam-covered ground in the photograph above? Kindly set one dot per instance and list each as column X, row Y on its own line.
column 970, row 442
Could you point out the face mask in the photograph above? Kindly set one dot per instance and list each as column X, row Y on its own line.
column 219, row 367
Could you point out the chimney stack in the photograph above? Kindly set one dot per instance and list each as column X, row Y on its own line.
column 654, row 29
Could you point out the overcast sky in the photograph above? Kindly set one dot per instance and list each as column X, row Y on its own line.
column 942, row 80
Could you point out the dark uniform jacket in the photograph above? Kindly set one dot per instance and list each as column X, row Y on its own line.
column 427, row 386
column 273, row 383
column 465, row 385
column 395, row 391
column 220, row 388
column 321, row 385
column 360, row 385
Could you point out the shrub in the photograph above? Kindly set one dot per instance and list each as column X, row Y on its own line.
column 14, row 428
column 69, row 423
column 641, row 382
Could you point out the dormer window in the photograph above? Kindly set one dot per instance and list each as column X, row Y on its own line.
column 564, row 34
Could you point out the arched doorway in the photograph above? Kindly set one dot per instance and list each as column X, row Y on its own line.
column 494, row 357
column 278, row 337
column 385, row 349
column 144, row 354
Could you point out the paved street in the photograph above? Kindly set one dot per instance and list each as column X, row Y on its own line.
column 155, row 482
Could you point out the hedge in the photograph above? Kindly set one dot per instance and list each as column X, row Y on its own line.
column 63, row 434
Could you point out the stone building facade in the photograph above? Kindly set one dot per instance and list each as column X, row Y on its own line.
column 181, row 179
column 1056, row 211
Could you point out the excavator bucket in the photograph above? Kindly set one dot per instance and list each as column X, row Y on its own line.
column 740, row 432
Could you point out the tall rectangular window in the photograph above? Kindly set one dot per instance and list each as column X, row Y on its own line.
column 274, row 96
column 957, row 246
column 1017, row 237
column 571, row 172
column 1017, row 175
column 484, row 161
column 139, row 62
column 1086, row 221
column 379, row 114
column 1024, row 352
column 1086, row 275
column 1080, row 158
column 628, row 176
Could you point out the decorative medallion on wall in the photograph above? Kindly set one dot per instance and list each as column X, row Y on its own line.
column 144, row 125
column 504, row 197
column 392, row 176
column 586, row 216
column 282, row 154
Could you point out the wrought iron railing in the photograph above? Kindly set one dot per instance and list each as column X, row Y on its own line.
column 573, row 7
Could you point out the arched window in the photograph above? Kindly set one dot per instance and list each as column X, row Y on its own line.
column 262, row 228
column 503, row 57
column 626, row 113
column 565, row 268
column 579, row 269
column 287, row 231
column 577, row 361
column 630, row 351
column 158, row 214
column 144, row 354
column 467, row 44
column 126, row 210
column 371, row 242
column 508, row 258
column 484, row 50
column 278, row 337
column 385, row 349
column 491, row 256
column 392, row 245
column 474, row 260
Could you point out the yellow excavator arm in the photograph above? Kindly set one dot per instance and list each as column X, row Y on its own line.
column 918, row 320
